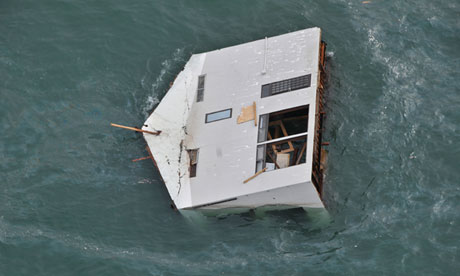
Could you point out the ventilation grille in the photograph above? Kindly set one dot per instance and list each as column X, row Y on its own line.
column 200, row 89
column 286, row 85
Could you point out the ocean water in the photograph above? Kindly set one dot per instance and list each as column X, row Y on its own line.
column 73, row 203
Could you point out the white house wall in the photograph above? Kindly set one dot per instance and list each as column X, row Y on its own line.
column 298, row 195
column 227, row 150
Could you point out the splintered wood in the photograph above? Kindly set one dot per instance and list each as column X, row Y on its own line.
column 248, row 113
column 136, row 129
column 255, row 175
column 323, row 161
column 142, row 158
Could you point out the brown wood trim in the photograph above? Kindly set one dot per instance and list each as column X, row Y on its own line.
column 317, row 171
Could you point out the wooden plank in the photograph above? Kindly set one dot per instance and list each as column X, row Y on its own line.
column 287, row 150
column 248, row 113
column 142, row 158
column 274, row 161
column 270, row 138
column 301, row 153
column 277, row 122
column 323, row 160
column 255, row 175
column 136, row 129
column 294, row 156
column 283, row 129
column 277, row 132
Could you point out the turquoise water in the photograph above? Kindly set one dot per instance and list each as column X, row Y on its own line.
column 73, row 203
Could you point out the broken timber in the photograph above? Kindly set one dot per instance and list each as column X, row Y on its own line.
column 142, row 158
column 255, row 175
column 137, row 129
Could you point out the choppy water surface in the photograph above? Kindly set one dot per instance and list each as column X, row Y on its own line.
column 72, row 202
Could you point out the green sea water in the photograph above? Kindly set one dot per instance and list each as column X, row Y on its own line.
column 73, row 203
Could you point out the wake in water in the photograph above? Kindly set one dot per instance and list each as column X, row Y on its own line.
column 168, row 69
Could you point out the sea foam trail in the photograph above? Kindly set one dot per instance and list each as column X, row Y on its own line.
column 158, row 86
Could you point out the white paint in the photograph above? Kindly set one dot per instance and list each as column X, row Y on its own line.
column 264, row 70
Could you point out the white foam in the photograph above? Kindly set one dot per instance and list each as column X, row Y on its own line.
column 166, row 67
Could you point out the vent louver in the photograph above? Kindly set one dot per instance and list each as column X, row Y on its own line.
column 283, row 86
column 200, row 89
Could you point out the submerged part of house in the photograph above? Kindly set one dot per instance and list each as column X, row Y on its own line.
column 241, row 126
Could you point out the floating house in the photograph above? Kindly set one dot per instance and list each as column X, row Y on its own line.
column 241, row 126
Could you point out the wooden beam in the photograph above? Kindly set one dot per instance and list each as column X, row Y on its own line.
column 294, row 156
column 273, row 159
column 301, row 117
column 142, row 158
column 288, row 150
column 136, row 129
column 277, row 132
column 323, row 160
column 270, row 138
column 255, row 175
column 301, row 153
column 283, row 129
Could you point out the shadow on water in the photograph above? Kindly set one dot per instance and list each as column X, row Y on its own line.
column 311, row 219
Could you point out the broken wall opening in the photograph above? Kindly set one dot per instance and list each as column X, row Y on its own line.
column 282, row 139
column 193, row 155
column 282, row 154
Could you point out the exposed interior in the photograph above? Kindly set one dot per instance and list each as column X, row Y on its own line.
column 193, row 155
column 282, row 140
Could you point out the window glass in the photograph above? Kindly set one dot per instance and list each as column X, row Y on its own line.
column 219, row 115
